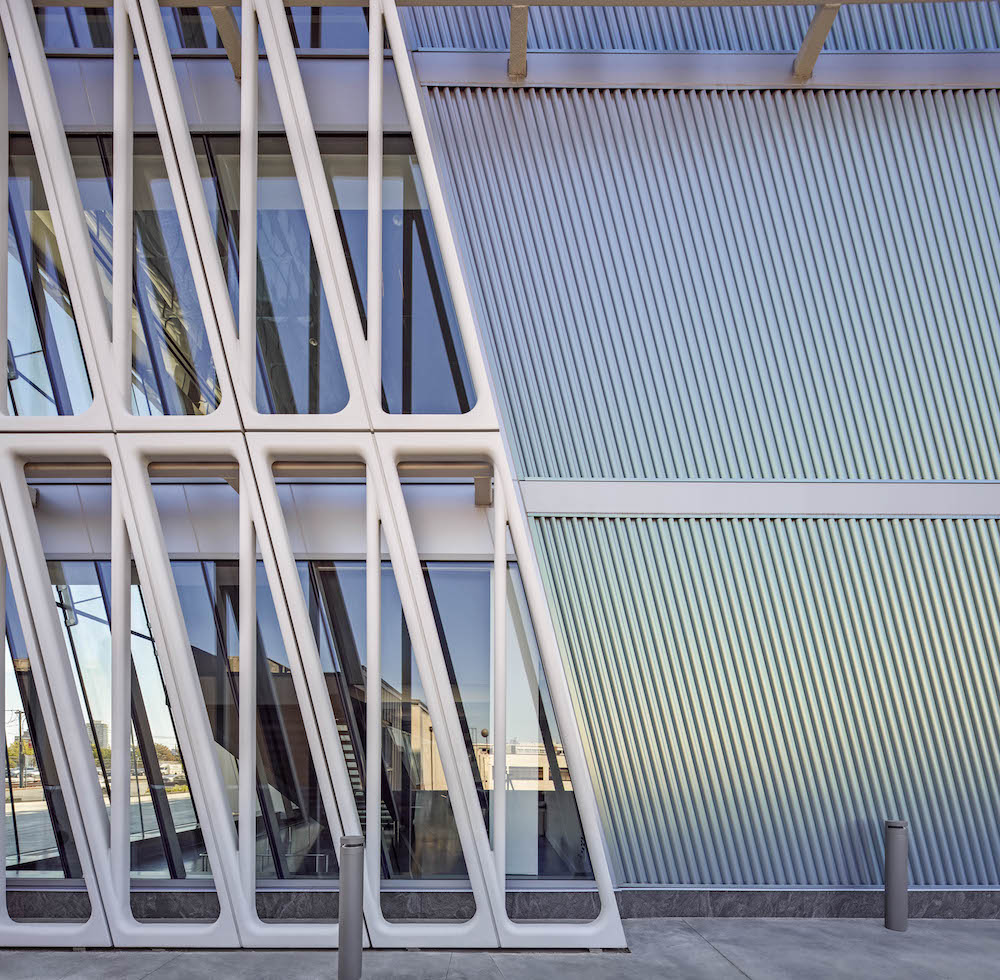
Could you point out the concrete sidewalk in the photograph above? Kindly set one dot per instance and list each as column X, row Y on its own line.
column 688, row 949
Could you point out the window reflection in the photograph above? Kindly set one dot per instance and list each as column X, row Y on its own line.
column 419, row 835
column 39, row 839
column 193, row 28
column 294, row 838
column 544, row 835
column 166, row 838
column 299, row 370
column 424, row 368
column 46, row 374
column 172, row 368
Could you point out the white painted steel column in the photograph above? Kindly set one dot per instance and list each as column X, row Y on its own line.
column 121, row 700
column 375, row 69
column 197, row 231
column 187, row 703
column 122, row 247
column 5, row 150
column 4, row 914
column 439, row 214
column 247, row 760
column 246, row 371
column 419, row 617
column 61, row 712
column 500, row 683
column 605, row 930
column 55, row 167
column 373, row 692
column 316, row 198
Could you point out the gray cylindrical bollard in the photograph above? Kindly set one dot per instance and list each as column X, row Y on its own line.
column 352, row 876
column 897, row 909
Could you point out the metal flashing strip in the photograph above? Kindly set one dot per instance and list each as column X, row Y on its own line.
column 628, row 498
column 633, row 69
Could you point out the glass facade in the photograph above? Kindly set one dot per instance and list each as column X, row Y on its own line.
column 299, row 369
column 39, row 839
column 46, row 374
column 193, row 28
column 294, row 838
column 166, row 838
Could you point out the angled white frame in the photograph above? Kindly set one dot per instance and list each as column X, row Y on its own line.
column 236, row 432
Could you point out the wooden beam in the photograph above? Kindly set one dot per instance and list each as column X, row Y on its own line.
column 229, row 32
column 812, row 43
column 517, row 64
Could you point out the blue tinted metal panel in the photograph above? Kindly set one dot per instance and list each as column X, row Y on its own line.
column 735, row 285
column 757, row 695
column 878, row 27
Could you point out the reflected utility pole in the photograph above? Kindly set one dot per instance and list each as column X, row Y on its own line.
column 20, row 749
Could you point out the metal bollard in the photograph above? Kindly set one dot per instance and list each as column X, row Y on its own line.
column 352, row 876
column 897, row 909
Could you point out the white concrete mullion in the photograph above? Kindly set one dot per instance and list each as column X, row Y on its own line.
column 500, row 683
column 121, row 704
column 483, row 413
column 200, row 244
column 246, row 373
column 482, row 929
column 318, row 203
column 247, row 757
column 122, row 248
column 375, row 151
column 55, row 167
column 63, row 717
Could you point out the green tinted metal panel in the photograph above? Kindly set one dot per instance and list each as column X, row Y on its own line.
column 758, row 694
column 735, row 285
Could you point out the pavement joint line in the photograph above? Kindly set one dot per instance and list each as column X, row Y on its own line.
column 160, row 966
column 738, row 969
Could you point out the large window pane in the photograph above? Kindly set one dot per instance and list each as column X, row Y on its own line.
column 293, row 832
column 424, row 367
column 193, row 28
column 299, row 368
column 294, row 838
column 172, row 362
column 544, row 835
column 46, row 374
column 172, row 368
column 39, row 839
column 166, row 838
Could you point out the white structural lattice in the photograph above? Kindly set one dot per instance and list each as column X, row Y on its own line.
column 363, row 433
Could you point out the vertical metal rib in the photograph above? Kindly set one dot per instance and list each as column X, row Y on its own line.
column 736, row 285
column 758, row 694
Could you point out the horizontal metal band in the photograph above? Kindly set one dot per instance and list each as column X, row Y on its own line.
column 760, row 499
column 588, row 69
column 336, row 90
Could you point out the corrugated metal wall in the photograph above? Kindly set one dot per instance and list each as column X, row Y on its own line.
column 879, row 27
column 758, row 694
column 736, row 285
